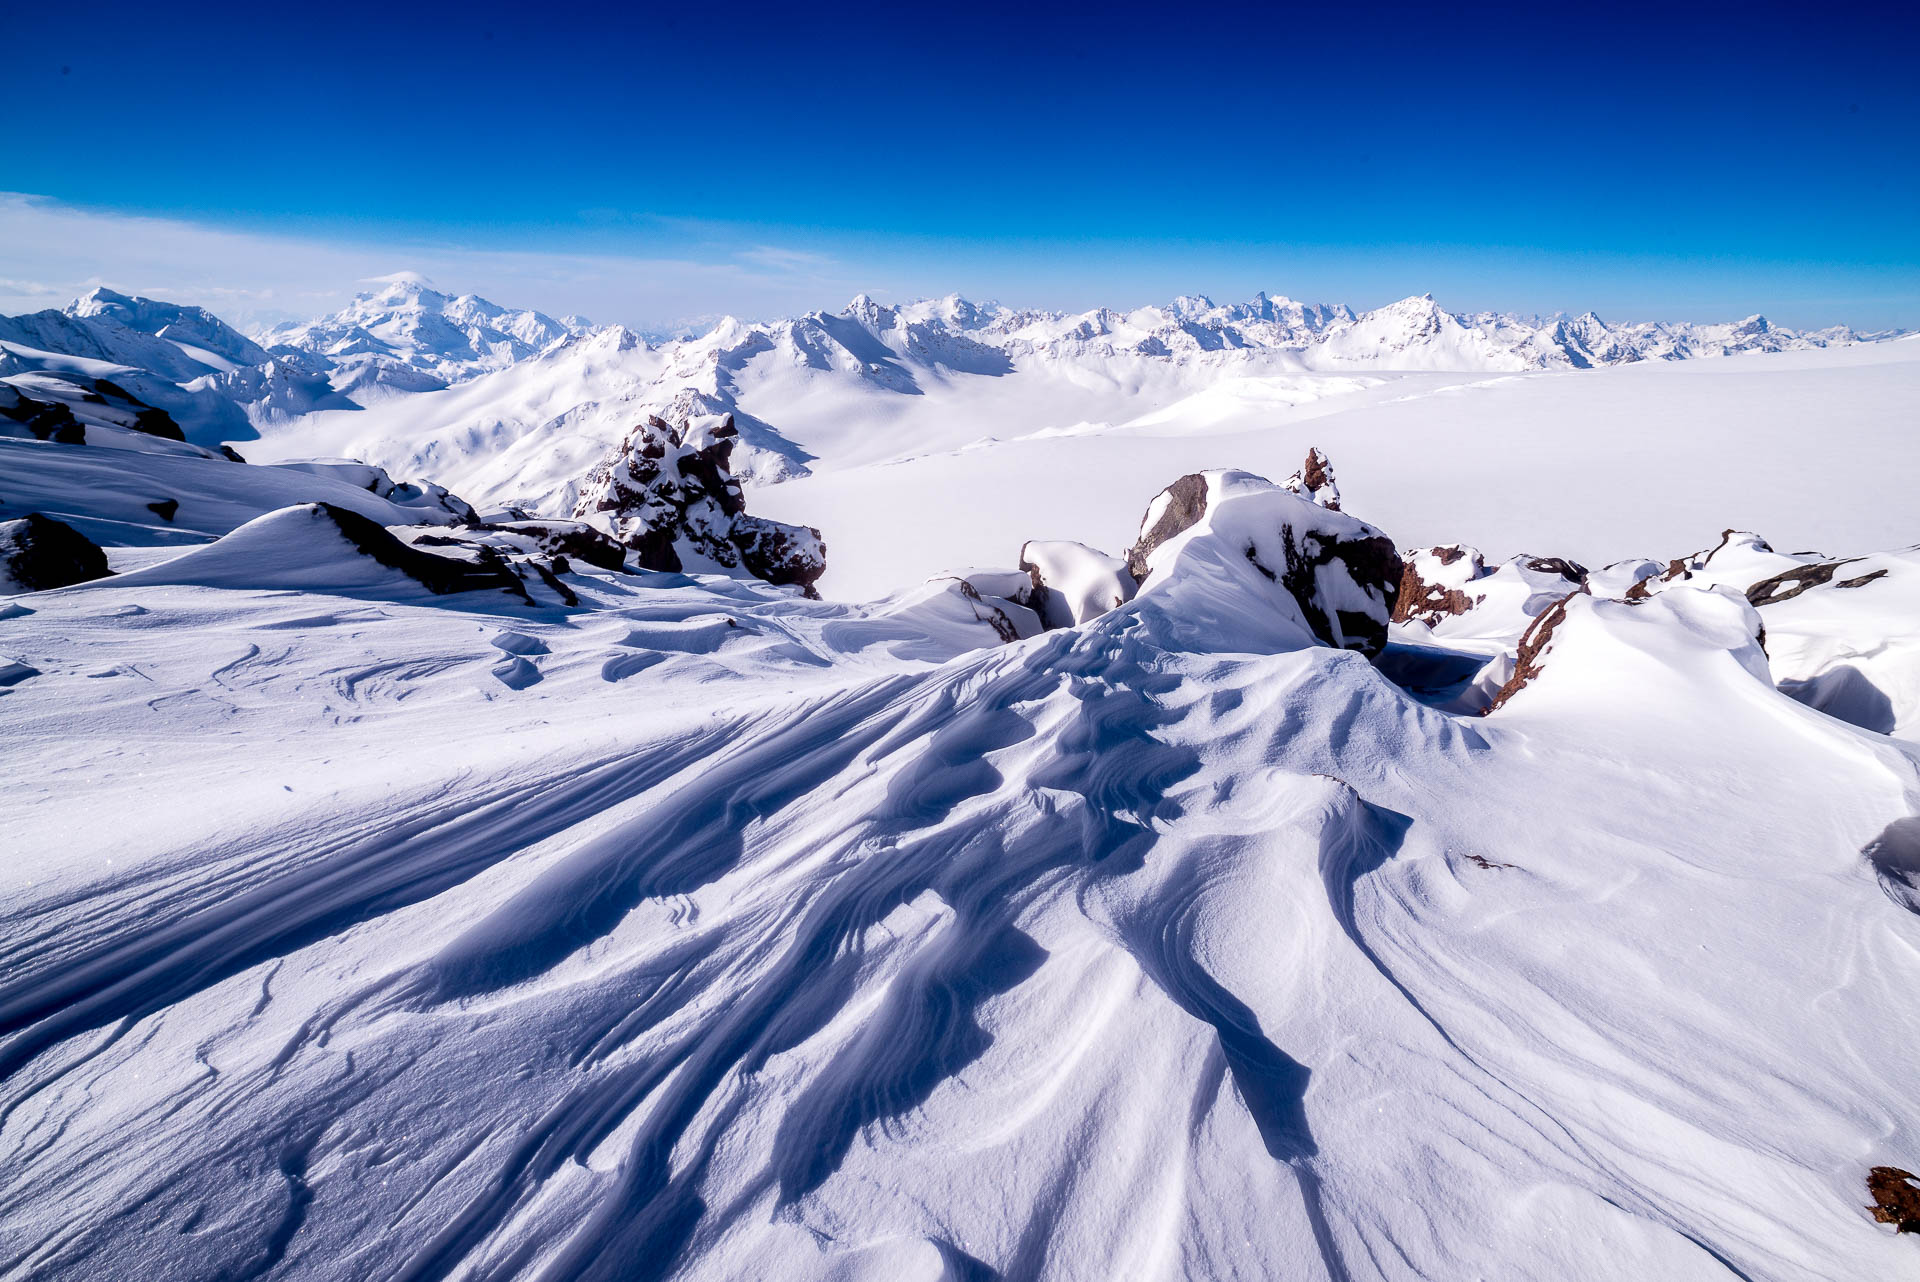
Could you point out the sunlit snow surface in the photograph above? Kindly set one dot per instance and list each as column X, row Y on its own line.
column 703, row 931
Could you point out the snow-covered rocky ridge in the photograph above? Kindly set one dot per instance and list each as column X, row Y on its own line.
column 407, row 336
column 432, row 926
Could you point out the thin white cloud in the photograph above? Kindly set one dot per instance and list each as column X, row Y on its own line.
column 50, row 252
column 788, row 260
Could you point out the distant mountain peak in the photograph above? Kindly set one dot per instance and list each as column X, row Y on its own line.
column 402, row 280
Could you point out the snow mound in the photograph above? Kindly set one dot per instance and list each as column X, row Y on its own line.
column 1843, row 639
column 124, row 488
column 1582, row 645
column 1212, row 541
column 1072, row 582
column 317, row 547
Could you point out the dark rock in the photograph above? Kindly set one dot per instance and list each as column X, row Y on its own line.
column 38, row 553
column 1572, row 571
column 1314, row 481
column 157, row 422
column 1896, row 1197
column 440, row 575
column 1785, row 587
column 1425, row 601
column 669, row 494
column 165, row 508
column 47, row 420
column 1186, row 504
column 1368, row 557
column 1534, row 644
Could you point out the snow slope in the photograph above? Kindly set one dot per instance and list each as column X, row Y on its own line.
column 719, row 933
column 1813, row 449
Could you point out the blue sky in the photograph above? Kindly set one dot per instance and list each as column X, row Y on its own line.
column 673, row 162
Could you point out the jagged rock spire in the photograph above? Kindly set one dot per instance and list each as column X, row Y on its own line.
column 1315, row 481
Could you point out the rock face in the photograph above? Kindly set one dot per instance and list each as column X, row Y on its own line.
column 1314, row 481
column 1072, row 582
column 1176, row 509
column 669, row 494
column 1342, row 575
column 1433, row 581
column 1453, row 582
column 43, row 420
column 1532, row 653
column 38, row 553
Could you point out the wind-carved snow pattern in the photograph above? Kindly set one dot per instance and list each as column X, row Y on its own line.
column 728, row 933
column 475, row 905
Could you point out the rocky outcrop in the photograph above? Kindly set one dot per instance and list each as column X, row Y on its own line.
column 669, row 495
column 1532, row 653
column 1314, row 481
column 1433, row 582
column 441, row 575
column 1785, row 587
column 1342, row 575
column 1452, row 582
column 38, row 553
column 1896, row 1197
column 1174, row 510
column 43, row 420
column 559, row 540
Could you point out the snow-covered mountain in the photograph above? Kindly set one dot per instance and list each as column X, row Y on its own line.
column 874, row 382
column 407, row 336
column 215, row 382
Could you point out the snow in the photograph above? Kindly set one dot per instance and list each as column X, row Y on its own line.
column 1081, row 582
column 740, row 935
column 1597, row 465
column 667, row 924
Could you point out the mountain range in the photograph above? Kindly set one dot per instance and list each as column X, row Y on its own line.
column 511, row 407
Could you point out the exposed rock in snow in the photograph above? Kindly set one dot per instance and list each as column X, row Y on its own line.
column 37, row 553
column 1337, row 578
column 1433, row 582
column 996, row 598
column 317, row 547
column 42, row 420
column 669, row 494
column 1531, row 656
column 571, row 540
column 375, row 481
column 1314, row 481
column 1451, row 591
column 1072, row 582
column 1831, row 645
column 1740, row 559
column 1896, row 1197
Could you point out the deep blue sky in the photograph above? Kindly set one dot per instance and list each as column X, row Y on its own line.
column 1673, row 161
